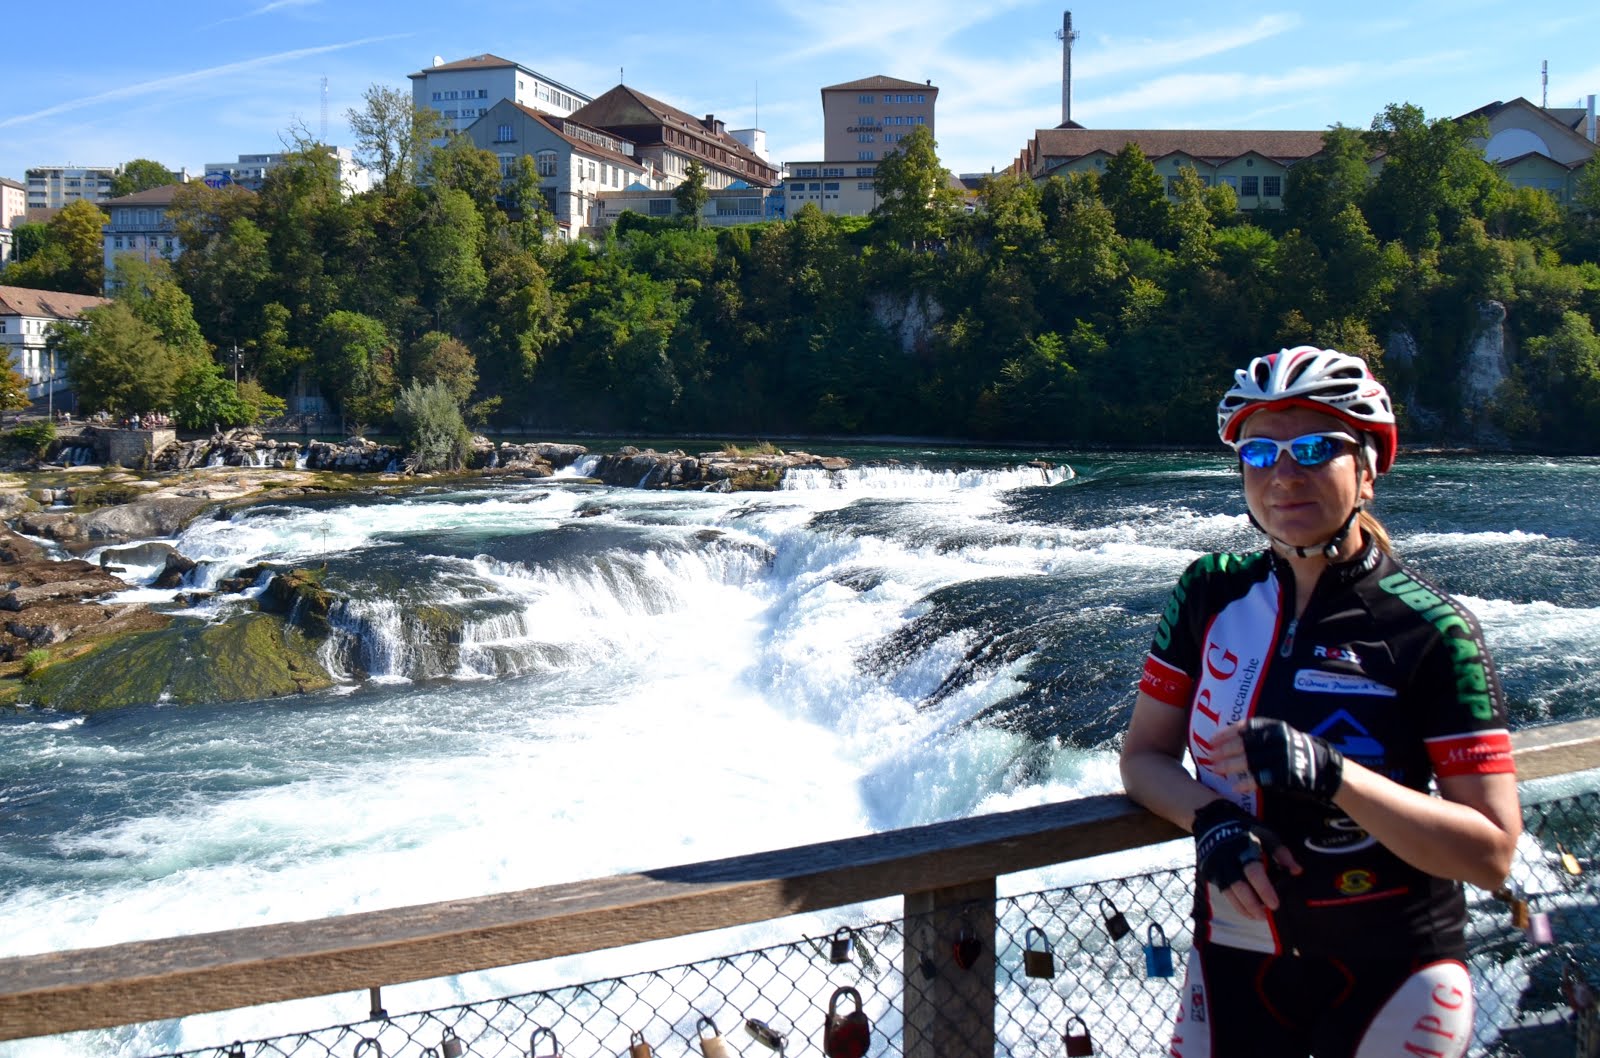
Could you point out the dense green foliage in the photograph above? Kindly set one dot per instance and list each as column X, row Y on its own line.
column 1107, row 307
column 65, row 253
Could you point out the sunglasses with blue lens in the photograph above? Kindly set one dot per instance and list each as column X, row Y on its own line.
column 1309, row 450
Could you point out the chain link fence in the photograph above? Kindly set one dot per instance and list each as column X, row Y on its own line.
column 1085, row 969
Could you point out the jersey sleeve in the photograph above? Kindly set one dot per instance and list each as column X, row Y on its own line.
column 1171, row 666
column 1465, row 723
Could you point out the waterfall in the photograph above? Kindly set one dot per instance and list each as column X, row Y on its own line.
column 912, row 478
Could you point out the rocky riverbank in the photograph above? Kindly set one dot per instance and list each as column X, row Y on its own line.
column 63, row 646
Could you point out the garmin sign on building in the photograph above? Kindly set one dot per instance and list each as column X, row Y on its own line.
column 861, row 122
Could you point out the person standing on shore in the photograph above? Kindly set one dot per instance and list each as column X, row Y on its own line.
column 1320, row 686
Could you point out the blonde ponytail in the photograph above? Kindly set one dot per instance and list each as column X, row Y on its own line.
column 1374, row 531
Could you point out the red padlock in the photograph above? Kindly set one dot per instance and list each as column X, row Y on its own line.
column 846, row 1035
column 967, row 948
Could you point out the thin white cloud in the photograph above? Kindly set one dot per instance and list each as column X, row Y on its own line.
column 843, row 25
column 264, row 9
column 1123, row 56
column 162, row 84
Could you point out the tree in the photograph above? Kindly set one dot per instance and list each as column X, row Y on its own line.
column 394, row 136
column 440, row 358
column 916, row 204
column 447, row 247
column 1326, row 184
column 69, row 257
column 116, row 361
column 357, row 365
column 463, row 166
column 13, row 391
column 203, row 397
column 691, row 195
column 430, row 422
column 141, row 174
column 1136, row 195
column 1434, row 176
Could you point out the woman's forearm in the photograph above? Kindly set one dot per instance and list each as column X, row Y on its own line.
column 1445, row 838
column 1160, row 783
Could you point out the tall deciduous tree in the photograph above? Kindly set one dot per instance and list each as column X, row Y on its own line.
column 691, row 195
column 394, row 136
column 1136, row 195
column 1434, row 176
column 141, row 174
column 916, row 204
column 69, row 257
column 356, row 363
column 117, row 362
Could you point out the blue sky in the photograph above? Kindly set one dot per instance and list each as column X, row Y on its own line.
column 191, row 88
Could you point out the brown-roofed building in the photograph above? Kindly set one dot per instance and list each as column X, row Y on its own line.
column 1254, row 163
column 862, row 121
column 139, row 225
column 25, row 319
column 464, row 90
column 575, row 163
column 669, row 139
column 1545, row 149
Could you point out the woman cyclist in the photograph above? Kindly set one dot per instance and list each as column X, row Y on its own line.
column 1319, row 686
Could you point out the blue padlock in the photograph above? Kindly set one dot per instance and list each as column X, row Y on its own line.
column 1157, row 953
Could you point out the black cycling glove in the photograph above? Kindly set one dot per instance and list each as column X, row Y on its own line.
column 1226, row 840
column 1289, row 760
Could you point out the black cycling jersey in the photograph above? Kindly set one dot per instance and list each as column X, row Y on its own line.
column 1385, row 667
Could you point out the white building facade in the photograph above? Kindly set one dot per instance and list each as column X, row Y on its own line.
column 465, row 90
column 250, row 171
column 13, row 211
column 55, row 186
column 575, row 163
column 139, row 226
column 25, row 319
column 862, row 121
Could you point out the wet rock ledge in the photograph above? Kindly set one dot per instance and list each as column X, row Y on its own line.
column 724, row 471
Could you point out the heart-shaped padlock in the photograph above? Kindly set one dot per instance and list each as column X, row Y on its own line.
column 846, row 1035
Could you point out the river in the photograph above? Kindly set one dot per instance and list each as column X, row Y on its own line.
column 552, row 680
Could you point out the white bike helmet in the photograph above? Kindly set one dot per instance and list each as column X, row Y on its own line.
column 1324, row 380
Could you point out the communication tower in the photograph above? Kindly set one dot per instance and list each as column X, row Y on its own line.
column 1544, row 82
column 322, row 134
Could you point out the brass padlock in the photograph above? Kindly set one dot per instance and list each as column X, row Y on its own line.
column 843, row 946
column 637, row 1048
column 1520, row 912
column 1078, row 1043
column 1116, row 921
column 1569, row 862
column 533, row 1043
column 712, row 1046
column 1037, row 961
column 846, row 1035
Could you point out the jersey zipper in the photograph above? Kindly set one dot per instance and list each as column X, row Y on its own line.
column 1287, row 648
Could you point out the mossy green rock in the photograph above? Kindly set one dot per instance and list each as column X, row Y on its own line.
column 191, row 663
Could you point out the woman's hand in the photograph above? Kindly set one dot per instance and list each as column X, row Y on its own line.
column 1269, row 754
column 1232, row 850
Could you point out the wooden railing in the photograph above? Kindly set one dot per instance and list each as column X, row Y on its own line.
column 941, row 866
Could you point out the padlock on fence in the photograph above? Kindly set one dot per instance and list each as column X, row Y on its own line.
column 1539, row 931
column 843, row 946
column 1037, row 961
column 1078, row 1043
column 846, row 1035
column 1521, row 912
column 712, row 1046
column 235, row 1050
column 1157, row 952
column 533, row 1043
column 765, row 1034
column 1569, row 862
column 370, row 1046
column 1116, row 921
column 637, row 1048
column 968, row 946
column 451, row 1046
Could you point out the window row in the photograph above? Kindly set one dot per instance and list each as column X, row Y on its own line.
column 466, row 93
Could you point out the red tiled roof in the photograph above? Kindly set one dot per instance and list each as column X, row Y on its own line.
column 477, row 62
column 1213, row 145
column 155, row 196
column 623, row 106
column 879, row 82
column 556, row 125
column 55, row 304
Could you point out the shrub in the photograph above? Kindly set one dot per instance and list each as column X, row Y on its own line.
column 34, row 660
column 430, row 422
column 33, row 437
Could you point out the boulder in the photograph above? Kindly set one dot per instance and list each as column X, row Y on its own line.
column 141, row 519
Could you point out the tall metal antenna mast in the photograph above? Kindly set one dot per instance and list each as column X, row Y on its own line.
column 1544, row 80
column 1066, row 36
column 322, row 135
